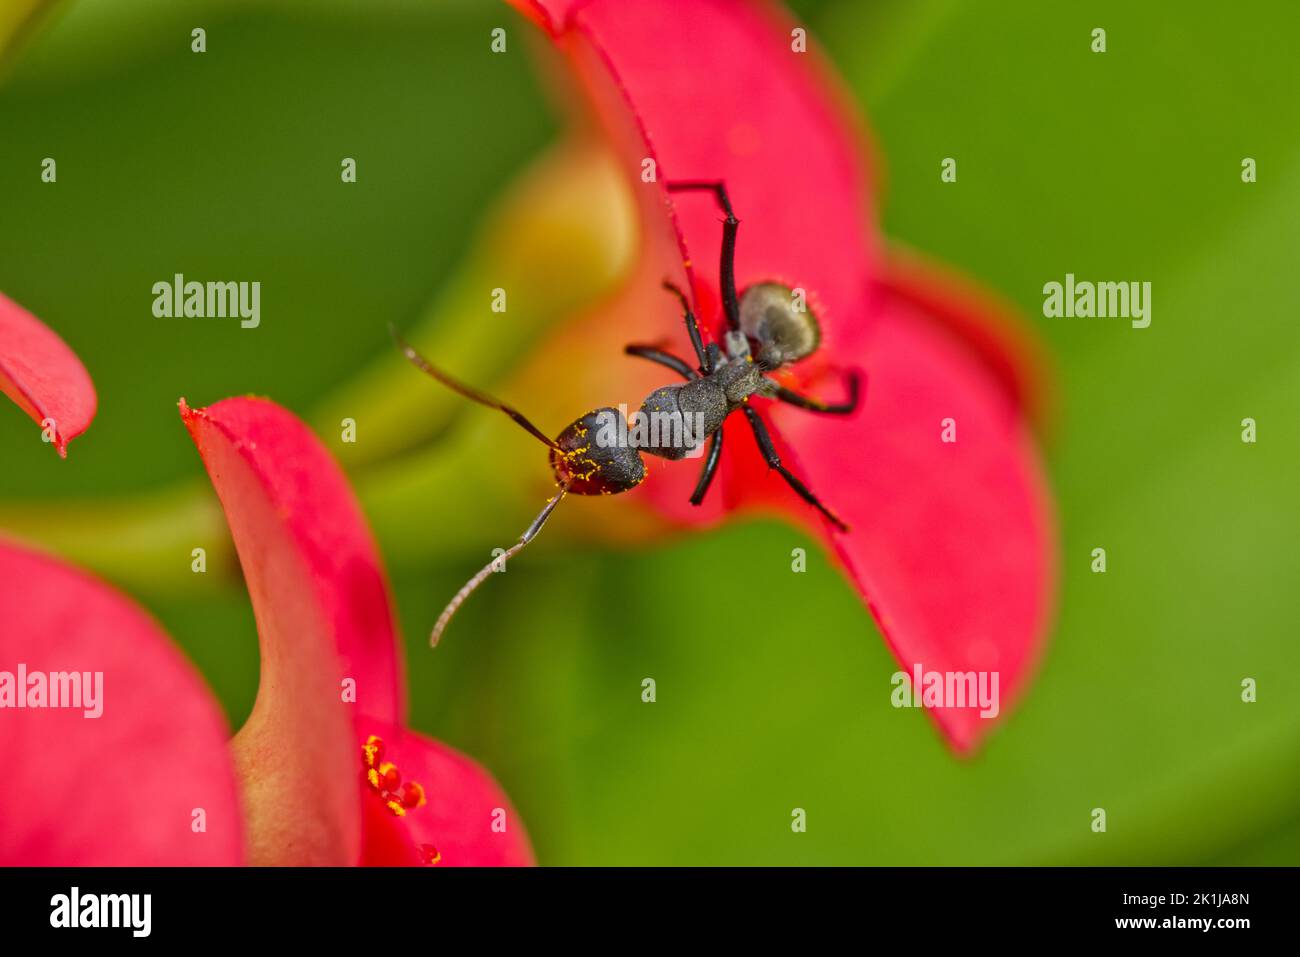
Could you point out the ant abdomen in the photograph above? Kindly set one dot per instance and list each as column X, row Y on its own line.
column 594, row 456
column 780, row 322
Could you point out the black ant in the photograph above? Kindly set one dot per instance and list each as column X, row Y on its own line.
column 766, row 315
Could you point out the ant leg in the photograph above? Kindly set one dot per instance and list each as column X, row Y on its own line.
column 727, row 268
column 692, row 328
column 817, row 405
column 664, row 359
column 710, row 468
column 764, row 439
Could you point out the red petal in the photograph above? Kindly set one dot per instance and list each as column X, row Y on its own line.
column 952, row 544
column 120, row 789
column 550, row 14
column 464, row 804
column 712, row 90
column 40, row 373
column 323, row 615
column 991, row 328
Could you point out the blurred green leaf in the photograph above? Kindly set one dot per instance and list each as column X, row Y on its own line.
column 18, row 21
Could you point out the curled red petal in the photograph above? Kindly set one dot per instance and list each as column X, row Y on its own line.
column 147, row 783
column 550, row 14
column 466, row 816
column 325, row 625
column 952, row 543
column 712, row 90
column 992, row 329
column 43, row 376
column 721, row 90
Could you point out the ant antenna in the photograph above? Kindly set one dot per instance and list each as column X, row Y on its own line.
column 499, row 561
column 469, row 392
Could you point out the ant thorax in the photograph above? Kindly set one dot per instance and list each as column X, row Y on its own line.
column 737, row 347
column 678, row 418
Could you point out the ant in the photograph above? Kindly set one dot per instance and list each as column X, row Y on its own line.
column 765, row 315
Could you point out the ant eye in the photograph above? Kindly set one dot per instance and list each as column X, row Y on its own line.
column 780, row 321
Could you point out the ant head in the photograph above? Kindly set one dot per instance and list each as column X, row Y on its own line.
column 594, row 457
column 779, row 320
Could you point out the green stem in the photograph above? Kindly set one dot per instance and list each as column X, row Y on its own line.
column 563, row 236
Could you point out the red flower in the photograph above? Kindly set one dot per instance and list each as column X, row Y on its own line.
column 952, row 539
column 127, row 787
column 327, row 634
column 140, row 771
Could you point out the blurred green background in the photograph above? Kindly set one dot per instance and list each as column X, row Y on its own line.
column 1117, row 166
